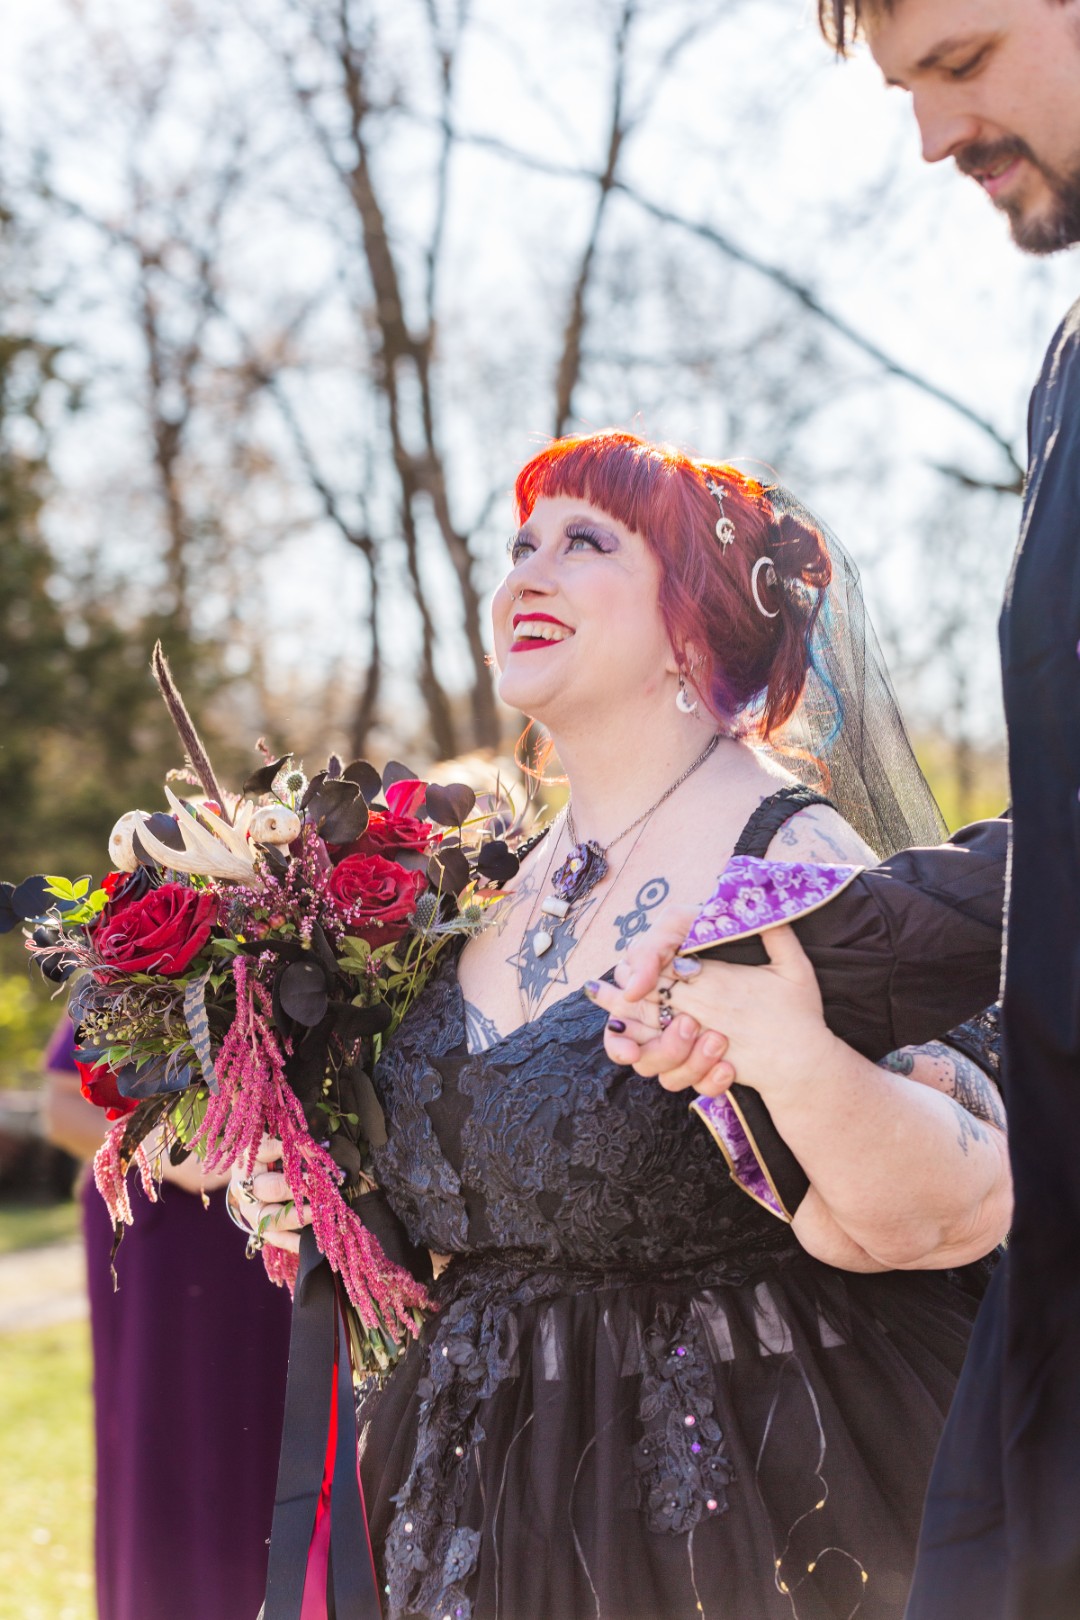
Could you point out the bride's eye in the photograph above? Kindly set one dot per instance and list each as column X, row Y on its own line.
column 516, row 547
column 587, row 537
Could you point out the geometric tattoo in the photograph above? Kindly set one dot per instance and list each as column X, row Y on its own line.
column 635, row 921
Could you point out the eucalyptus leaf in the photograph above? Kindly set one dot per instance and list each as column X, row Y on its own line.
column 302, row 992
column 337, row 811
column 451, row 805
column 496, row 862
column 449, row 871
column 262, row 780
column 395, row 771
column 366, row 778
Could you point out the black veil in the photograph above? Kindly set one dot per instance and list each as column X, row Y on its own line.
column 847, row 737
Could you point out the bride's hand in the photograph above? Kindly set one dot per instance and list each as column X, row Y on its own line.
column 772, row 1022
column 262, row 1204
column 680, row 1056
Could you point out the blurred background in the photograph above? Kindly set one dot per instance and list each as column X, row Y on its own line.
column 289, row 289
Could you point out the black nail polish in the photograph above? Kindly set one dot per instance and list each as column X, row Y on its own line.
column 616, row 1026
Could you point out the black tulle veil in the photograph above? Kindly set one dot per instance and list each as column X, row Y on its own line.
column 847, row 737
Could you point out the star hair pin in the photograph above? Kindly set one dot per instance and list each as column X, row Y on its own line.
column 725, row 529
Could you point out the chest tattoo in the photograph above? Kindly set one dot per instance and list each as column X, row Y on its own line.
column 636, row 920
column 536, row 975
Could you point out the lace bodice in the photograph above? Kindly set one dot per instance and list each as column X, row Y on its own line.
column 540, row 1143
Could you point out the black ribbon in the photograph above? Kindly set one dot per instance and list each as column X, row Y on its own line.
column 318, row 1335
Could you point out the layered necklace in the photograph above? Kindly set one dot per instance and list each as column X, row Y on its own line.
column 587, row 864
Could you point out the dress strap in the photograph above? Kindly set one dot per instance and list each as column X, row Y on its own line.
column 771, row 814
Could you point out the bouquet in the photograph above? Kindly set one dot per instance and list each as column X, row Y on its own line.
column 235, row 974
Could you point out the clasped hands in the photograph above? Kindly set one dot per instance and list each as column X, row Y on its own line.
column 761, row 1025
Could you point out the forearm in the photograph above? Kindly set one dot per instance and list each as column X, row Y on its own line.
column 907, row 1174
column 68, row 1119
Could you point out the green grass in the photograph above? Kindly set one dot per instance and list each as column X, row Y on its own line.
column 28, row 1226
column 46, row 1475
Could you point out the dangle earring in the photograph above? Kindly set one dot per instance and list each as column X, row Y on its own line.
column 683, row 701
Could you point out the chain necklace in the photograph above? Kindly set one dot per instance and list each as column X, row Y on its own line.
column 525, row 1013
column 587, row 863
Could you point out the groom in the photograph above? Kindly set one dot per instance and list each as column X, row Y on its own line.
column 995, row 85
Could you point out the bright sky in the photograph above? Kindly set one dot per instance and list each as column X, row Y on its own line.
column 933, row 279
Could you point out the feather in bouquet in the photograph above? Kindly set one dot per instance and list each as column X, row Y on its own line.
column 236, row 973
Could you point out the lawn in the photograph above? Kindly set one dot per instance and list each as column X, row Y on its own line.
column 46, row 1470
column 28, row 1226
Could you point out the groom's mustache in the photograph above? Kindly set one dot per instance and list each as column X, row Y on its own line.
column 982, row 156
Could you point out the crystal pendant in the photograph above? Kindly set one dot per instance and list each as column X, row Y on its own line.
column 541, row 941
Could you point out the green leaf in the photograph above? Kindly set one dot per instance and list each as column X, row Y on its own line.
column 81, row 889
column 62, row 887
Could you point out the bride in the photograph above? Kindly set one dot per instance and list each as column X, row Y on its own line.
column 643, row 1395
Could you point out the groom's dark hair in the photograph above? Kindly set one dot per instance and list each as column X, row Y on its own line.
column 841, row 20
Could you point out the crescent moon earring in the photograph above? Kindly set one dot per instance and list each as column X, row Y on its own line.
column 769, row 567
column 683, row 701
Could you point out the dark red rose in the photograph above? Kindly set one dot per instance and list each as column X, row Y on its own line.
column 377, row 896
column 392, row 832
column 98, row 1085
column 396, row 827
column 122, row 888
column 161, row 933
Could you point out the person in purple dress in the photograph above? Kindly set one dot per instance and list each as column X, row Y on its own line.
column 190, row 1350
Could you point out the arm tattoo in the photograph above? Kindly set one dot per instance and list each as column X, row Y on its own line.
column 970, row 1127
column 811, row 839
column 972, row 1091
column 480, row 1030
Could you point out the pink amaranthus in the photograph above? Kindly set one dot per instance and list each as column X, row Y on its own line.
column 254, row 1099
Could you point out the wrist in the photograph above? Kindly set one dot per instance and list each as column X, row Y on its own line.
column 793, row 1083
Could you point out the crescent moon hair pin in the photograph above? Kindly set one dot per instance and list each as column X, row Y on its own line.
column 770, row 579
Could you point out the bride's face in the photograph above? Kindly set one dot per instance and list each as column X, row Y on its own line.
column 577, row 620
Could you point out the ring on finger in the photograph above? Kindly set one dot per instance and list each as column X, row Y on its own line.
column 234, row 1213
column 666, row 1015
column 255, row 1242
column 686, row 967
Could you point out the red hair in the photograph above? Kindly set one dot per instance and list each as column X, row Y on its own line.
column 750, row 665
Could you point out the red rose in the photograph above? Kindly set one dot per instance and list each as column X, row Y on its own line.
column 98, row 1085
column 396, row 827
column 122, row 888
column 377, row 896
column 161, row 933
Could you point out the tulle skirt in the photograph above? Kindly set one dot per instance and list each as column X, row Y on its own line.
column 754, row 1449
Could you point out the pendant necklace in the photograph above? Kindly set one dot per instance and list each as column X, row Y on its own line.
column 587, row 863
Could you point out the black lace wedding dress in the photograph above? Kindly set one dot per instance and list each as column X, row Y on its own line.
column 640, row 1399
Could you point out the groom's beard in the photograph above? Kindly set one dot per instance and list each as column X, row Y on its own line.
column 1047, row 233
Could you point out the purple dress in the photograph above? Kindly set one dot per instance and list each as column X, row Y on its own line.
column 190, row 1355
